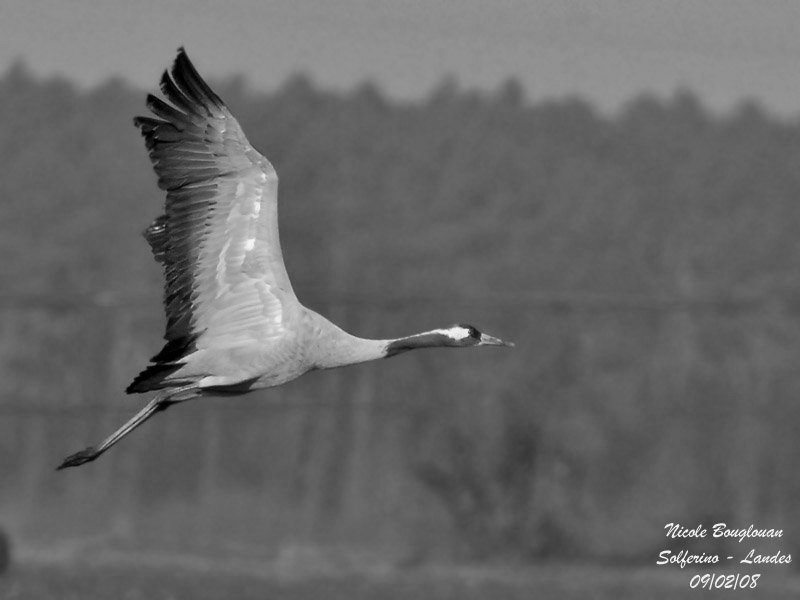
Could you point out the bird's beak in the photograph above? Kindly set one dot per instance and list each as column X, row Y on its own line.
column 488, row 340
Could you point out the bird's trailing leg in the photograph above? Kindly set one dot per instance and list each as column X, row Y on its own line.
column 160, row 402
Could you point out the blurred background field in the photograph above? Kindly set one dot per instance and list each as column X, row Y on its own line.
column 645, row 263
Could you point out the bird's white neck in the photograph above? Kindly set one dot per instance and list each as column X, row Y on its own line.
column 345, row 349
column 330, row 346
column 334, row 347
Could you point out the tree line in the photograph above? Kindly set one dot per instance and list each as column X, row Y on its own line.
column 645, row 263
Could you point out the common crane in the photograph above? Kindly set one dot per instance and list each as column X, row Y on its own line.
column 234, row 324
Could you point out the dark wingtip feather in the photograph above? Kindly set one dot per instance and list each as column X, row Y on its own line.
column 190, row 95
column 145, row 123
column 189, row 80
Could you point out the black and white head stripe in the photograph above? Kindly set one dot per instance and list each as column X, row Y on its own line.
column 459, row 333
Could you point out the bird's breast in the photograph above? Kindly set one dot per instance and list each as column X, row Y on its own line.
column 251, row 366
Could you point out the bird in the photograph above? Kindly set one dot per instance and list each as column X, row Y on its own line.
column 234, row 323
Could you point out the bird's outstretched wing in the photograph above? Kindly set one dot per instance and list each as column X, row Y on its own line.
column 218, row 241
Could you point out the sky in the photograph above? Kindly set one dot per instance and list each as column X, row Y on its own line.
column 605, row 50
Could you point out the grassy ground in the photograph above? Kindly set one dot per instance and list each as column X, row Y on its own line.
column 141, row 579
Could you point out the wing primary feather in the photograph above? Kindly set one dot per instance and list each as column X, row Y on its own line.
column 170, row 114
column 177, row 97
column 190, row 80
column 156, row 236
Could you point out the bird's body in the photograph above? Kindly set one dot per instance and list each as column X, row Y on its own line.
column 234, row 323
column 306, row 341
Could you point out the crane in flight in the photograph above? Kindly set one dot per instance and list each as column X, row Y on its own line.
column 234, row 324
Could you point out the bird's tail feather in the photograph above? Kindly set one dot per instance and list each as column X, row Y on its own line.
column 154, row 377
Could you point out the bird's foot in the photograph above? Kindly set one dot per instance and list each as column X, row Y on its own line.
column 79, row 458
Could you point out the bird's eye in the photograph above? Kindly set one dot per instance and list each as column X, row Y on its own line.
column 464, row 331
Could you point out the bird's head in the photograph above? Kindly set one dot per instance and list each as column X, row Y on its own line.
column 466, row 335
